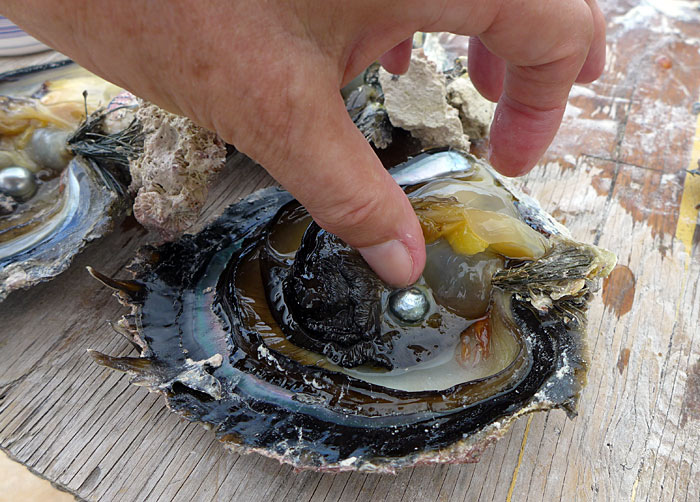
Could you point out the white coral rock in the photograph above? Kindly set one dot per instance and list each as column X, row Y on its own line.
column 417, row 102
column 475, row 111
column 172, row 176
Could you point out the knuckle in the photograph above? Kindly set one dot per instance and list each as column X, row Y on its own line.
column 582, row 26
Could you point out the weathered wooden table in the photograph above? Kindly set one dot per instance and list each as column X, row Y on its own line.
column 616, row 175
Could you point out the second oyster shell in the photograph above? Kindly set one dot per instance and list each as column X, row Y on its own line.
column 76, row 198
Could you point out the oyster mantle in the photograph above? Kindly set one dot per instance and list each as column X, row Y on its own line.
column 205, row 346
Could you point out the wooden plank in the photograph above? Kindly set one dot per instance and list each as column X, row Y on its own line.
column 615, row 175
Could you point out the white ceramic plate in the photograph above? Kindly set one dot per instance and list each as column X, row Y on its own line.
column 15, row 42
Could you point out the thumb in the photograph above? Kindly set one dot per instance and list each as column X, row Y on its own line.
column 327, row 164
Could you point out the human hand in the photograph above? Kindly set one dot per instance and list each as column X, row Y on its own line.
column 265, row 76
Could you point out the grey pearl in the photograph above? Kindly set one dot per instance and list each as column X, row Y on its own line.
column 409, row 305
column 17, row 182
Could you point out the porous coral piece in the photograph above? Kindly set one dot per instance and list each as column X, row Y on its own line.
column 417, row 102
column 172, row 176
column 475, row 111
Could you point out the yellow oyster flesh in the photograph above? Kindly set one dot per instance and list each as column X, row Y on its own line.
column 37, row 114
column 470, row 231
column 46, row 103
column 475, row 216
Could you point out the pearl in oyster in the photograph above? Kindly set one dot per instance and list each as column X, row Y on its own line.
column 17, row 182
column 409, row 305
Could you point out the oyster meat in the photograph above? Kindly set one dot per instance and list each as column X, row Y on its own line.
column 67, row 200
column 277, row 335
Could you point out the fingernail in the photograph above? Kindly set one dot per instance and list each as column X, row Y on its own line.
column 391, row 261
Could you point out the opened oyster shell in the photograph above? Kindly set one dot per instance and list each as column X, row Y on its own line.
column 278, row 336
column 51, row 202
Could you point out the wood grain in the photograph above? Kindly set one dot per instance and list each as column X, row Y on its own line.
column 615, row 175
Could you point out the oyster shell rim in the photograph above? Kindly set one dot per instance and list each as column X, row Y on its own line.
column 13, row 75
column 52, row 255
column 547, row 395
